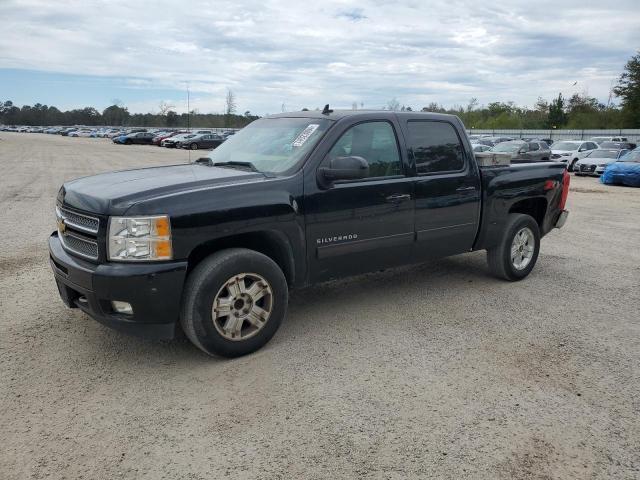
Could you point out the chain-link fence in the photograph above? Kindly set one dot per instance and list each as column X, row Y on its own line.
column 633, row 135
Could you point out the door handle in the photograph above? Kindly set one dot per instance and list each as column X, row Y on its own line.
column 465, row 189
column 398, row 197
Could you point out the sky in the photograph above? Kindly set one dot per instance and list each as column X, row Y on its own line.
column 277, row 55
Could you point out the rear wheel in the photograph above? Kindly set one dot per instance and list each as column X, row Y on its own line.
column 234, row 302
column 516, row 254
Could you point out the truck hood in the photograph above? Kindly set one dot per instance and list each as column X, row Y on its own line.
column 113, row 193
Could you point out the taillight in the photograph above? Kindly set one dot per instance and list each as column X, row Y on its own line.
column 566, row 179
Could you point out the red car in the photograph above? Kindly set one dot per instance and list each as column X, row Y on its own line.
column 157, row 140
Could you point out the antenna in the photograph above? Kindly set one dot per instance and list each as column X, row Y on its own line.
column 326, row 110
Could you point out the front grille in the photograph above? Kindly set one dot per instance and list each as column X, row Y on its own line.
column 80, row 245
column 78, row 233
column 84, row 223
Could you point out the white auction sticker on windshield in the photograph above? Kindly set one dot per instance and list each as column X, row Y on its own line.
column 304, row 135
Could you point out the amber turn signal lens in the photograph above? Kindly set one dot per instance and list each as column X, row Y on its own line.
column 163, row 229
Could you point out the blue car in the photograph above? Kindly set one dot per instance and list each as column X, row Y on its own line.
column 625, row 171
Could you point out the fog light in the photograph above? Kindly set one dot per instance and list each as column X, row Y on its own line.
column 122, row 307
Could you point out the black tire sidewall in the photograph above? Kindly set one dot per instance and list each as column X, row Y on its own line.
column 207, row 284
column 193, row 146
column 518, row 222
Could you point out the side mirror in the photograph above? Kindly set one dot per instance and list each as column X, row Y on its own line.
column 203, row 161
column 344, row 168
column 523, row 150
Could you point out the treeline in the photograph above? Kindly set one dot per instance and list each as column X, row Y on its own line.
column 578, row 112
column 115, row 115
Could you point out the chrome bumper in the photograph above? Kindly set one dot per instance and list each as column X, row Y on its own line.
column 562, row 219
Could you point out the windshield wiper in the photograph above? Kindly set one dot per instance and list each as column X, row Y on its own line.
column 241, row 165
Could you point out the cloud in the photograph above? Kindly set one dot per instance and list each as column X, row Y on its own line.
column 305, row 54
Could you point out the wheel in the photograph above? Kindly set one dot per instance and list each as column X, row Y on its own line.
column 516, row 254
column 234, row 302
column 571, row 165
column 193, row 146
column 128, row 142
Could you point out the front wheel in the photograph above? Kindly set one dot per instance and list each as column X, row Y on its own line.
column 572, row 165
column 194, row 146
column 234, row 302
column 516, row 254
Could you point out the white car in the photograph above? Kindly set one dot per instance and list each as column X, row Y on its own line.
column 81, row 133
column 570, row 151
column 599, row 140
column 479, row 147
column 596, row 161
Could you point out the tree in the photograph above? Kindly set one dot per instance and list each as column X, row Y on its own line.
column 557, row 118
column 230, row 103
column 115, row 115
column 171, row 118
column 628, row 89
column 164, row 107
column 393, row 105
column 229, row 107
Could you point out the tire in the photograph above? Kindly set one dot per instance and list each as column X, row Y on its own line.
column 208, row 288
column 500, row 260
column 571, row 165
column 128, row 142
column 193, row 146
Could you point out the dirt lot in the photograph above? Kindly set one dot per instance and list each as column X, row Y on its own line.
column 432, row 371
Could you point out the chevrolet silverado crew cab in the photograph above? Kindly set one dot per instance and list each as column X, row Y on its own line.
column 214, row 247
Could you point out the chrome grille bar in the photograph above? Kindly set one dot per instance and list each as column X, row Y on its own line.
column 78, row 221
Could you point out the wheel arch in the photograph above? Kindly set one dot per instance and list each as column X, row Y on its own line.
column 273, row 244
column 535, row 207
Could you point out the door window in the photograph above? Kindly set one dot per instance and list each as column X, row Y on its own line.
column 533, row 147
column 436, row 147
column 376, row 143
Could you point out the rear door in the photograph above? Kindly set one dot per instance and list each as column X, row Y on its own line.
column 366, row 224
column 447, row 188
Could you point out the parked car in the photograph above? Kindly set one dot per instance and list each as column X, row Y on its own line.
column 215, row 246
column 595, row 161
column 618, row 145
column 524, row 152
column 570, row 151
column 83, row 132
column 479, row 147
column 157, row 140
column 626, row 171
column 546, row 140
column 171, row 142
column 207, row 140
column 599, row 140
column 139, row 138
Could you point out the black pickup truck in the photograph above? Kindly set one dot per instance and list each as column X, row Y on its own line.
column 294, row 199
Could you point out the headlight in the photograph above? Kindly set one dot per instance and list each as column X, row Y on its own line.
column 565, row 154
column 139, row 238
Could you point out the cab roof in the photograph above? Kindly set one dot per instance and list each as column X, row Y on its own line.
column 336, row 115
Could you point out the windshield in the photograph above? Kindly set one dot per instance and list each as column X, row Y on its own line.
column 507, row 147
column 272, row 145
column 632, row 156
column 604, row 153
column 565, row 146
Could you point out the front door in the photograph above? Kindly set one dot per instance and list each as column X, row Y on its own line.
column 366, row 224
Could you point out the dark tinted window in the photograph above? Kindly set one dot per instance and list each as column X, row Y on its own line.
column 376, row 143
column 436, row 146
column 533, row 146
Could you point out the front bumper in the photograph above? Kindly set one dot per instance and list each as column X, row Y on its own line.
column 153, row 290
column 562, row 219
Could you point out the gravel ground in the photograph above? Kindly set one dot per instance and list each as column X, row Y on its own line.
column 430, row 371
